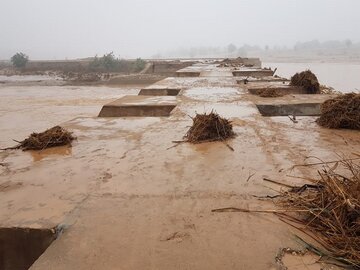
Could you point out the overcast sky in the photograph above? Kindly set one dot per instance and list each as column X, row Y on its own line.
column 56, row 29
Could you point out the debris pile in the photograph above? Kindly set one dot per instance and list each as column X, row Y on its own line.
column 328, row 90
column 341, row 112
column 330, row 209
column 55, row 136
column 308, row 80
column 269, row 92
column 237, row 62
column 209, row 127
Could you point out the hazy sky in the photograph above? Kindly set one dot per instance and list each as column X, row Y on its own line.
column 56, row 29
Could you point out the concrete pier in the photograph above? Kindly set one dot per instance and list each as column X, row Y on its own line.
column 253, row 72
column 139, row 106
column 159, row 91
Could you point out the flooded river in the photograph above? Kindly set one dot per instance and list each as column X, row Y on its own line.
column 342, row 76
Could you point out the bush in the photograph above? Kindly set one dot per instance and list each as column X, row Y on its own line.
column 139, row 65
column 107, row 63
column 110, row 63
column 19, row 60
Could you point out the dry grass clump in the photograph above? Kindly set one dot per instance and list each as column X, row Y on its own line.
column 341, row 112
column 269, row 92
column 330, row 209
column 209, row 127
column 308, row 80
column 55, row 136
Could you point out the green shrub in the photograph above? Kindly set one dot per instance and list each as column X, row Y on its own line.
column 139, row 65
column 109, row 63
column 19, row 60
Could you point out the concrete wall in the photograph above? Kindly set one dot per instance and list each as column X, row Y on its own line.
column 167, row 68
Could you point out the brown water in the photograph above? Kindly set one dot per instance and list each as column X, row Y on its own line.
column 342, row 76
column 27, row 109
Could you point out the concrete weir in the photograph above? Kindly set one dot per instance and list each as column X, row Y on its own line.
column 139, row 106
column 281, row 89
column 266, row 79
column 299, row 105
column 159, row 91
column 253, row 72
column 187, row 73
column 21, row 247
column 299, row 109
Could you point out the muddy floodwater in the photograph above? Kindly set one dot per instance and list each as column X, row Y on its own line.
column 343, row 77
column 24, row 109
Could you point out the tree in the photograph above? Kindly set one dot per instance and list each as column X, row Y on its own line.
column 19, row 60
column 348, row 43
column 107, row 63
column 231, row 48
column 139, row 64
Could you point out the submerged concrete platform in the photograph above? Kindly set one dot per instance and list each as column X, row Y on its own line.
column 216, row 73
column 139, row 106
column 266, row 79
column 281, row 89
column 159, row 91
column 297, row 109
column 299, row 105
column 253, row 72
column 21, row 247
column 187, row 74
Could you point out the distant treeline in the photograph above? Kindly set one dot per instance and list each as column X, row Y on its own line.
column 247, row 50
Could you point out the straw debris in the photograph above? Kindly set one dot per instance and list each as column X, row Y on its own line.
column 237, row 62
column 209, row 127
column 330, row 209
column 341, row 112
column 308, row 80
column 55, row 136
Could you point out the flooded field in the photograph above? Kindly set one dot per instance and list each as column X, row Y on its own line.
column 341, row 76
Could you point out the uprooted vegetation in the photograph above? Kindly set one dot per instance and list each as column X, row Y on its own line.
column 237, row 62
column 326, row 209
column 233, row 62
column 341, row 112
column 209, row 127
column 329, row 208
column 55, row 136
column 328, row 90
column 307, row 80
